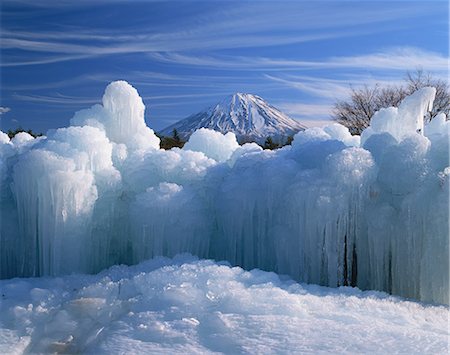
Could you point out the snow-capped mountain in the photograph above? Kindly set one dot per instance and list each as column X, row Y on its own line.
column 248, row 116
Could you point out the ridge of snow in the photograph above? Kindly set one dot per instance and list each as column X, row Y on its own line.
column 185, row 305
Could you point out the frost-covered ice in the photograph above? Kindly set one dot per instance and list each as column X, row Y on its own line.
column 189, row 306
column 331, row 209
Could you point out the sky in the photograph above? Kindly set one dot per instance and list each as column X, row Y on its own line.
column 182, row 56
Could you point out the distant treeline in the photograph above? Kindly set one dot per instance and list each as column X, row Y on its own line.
column 12, row 133
column 175, row 141
column 169, row 142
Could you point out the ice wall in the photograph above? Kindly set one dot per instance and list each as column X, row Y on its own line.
column 331, row 209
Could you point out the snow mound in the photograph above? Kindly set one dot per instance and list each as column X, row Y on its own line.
column 213, row 144
column 189, row 306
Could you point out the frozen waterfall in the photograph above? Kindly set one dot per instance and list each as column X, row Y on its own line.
column 332, row 209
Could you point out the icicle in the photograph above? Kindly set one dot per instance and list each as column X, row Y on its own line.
column 323, row 210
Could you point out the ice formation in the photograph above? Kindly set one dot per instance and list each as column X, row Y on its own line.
column 331, row 209
column 187, row 306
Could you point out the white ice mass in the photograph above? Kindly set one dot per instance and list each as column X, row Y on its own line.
column 189, row 306
column 331, row 209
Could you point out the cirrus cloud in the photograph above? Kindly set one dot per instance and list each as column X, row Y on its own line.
column 4, row 110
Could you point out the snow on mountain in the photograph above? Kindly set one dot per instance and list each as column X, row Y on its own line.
column 246, row 115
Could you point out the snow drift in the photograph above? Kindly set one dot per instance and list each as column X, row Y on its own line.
column 331, row 209
column 187, row 306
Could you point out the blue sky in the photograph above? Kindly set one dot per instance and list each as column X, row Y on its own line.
column 301, row 56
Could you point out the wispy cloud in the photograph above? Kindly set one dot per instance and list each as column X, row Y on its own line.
column 225, row 27
column 398, row 58
column 316, row 122
column 58, row 99
column 67, row 50
column 311, row 115
column 183, row 96
column 140, row 79
column 46, row 60
column 302, row 110
column 331, row 90
column 4, row 110
column 219, row 62
column 324, row 92
column 78, row 81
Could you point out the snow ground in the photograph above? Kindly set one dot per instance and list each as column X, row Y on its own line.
column 186, row 305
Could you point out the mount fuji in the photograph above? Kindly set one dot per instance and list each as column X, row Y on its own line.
column 246, row 115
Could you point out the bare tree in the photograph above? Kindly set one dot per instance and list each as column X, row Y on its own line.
column 356, row 113
column 420, row 79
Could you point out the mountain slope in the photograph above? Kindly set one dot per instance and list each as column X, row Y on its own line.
column 248, row 116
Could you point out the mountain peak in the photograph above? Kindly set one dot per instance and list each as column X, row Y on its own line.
column 249, row 116
column 238, row 98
